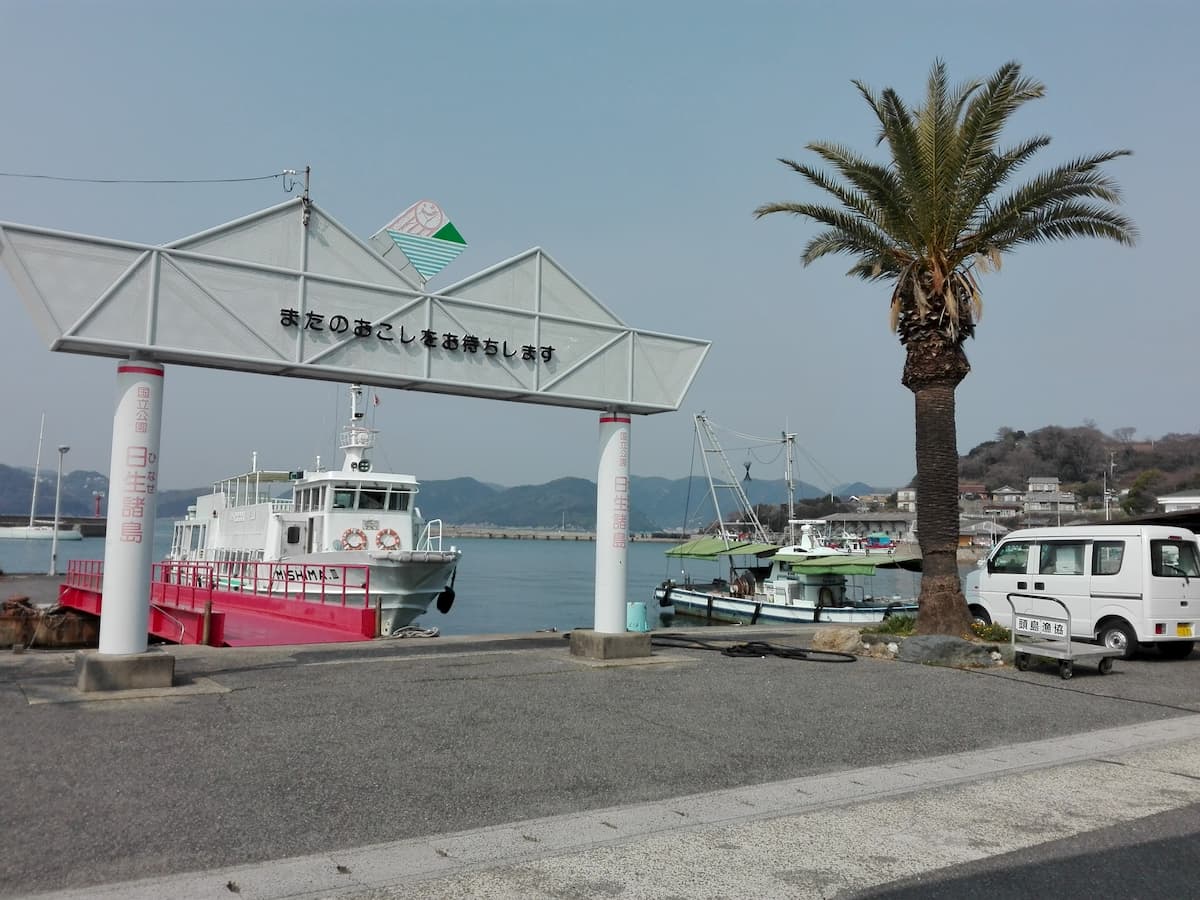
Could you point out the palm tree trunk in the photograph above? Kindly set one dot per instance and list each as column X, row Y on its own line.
column 933, row 373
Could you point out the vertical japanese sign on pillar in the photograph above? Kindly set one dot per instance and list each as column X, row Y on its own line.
column 133, row 485
column 612, row 524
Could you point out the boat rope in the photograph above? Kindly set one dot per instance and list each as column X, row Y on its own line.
column 411, row 631
column 759, row 649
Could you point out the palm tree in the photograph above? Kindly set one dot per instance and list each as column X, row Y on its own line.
column 928, row 221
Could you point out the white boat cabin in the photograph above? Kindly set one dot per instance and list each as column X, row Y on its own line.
column 350, row 510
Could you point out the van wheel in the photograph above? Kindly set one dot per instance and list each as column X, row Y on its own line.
column 1176, row 649
column 1118, row 635
column 979, row 614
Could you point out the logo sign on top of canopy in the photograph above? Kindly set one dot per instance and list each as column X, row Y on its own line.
column 425, row 235
column 290, row 291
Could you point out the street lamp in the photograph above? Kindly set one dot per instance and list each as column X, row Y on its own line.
column 62, row 451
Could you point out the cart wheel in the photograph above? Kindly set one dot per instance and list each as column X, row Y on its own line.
column 1106, row 665
column 1022, row 661
column 1066, row 669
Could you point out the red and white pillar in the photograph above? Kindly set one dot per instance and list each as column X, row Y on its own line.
column 132, row 501
column 612, row 524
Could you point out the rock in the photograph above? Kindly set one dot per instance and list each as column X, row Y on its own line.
column 945, row 650
column 839, row 640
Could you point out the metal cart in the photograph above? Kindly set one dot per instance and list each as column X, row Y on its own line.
column 1050, row 637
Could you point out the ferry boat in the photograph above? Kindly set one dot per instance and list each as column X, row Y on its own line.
column 354, row 525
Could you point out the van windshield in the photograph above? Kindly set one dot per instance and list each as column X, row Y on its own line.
column 1174, row 559
column 1012, row 557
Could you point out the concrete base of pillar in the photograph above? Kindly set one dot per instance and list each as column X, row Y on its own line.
column 594, row 645
column 124, row 672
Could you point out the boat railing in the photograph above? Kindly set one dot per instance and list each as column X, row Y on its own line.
column 87, row 574
column 431, row 536
column 192, row 583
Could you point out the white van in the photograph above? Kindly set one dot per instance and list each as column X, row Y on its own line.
column 1125, row 585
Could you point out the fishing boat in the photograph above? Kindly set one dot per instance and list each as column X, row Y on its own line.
column 39, row 531
column 802, row 579
column 355, row 525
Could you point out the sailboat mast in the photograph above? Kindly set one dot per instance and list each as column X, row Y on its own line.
column 37, row 470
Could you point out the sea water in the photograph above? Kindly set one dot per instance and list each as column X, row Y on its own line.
column 503, row 586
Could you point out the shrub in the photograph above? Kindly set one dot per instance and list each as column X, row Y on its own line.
column 901, row 624
column 992, row 632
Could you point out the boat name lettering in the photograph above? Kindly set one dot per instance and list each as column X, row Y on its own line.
column 310, row 573
column 364, row 328
column 242, row 515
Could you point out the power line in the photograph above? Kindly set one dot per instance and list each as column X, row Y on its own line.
column 145, row 180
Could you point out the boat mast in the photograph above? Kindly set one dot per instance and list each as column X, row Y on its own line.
column 710, row 445
column 37, row 470
column 789, row 441
column 357, row 438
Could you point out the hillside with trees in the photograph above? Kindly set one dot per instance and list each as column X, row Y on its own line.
column 1086, row 460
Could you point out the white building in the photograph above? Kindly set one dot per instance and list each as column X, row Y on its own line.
column 1180, row 501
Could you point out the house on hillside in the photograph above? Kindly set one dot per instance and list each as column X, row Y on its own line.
column 1044, row 498
column 1008, row 496
column 906, row 500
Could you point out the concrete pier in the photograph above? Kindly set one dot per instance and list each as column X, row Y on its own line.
column 504, row 767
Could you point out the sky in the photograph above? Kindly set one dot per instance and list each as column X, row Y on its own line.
column 632, row 141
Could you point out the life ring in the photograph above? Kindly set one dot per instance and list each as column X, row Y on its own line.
column 387, row 539
column 354, row 539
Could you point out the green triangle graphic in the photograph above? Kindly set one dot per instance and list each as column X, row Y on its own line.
column 449, row 233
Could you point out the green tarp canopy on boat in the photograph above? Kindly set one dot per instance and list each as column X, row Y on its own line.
column 828, row 565
column 710, row 547
column 851, row 564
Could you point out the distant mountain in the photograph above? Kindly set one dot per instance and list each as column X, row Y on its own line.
column 656, row 504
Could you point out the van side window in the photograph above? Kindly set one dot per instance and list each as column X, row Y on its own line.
column 1012, row 558
column 1173, row 559
column 1107, row 557
column 1061, row 558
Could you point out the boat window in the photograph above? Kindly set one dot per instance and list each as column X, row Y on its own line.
column 1061, row 558
column 398, row 500
column 1173, row 559
column 293, row 534
column 1012, row 557
column 371, row 499
column 1107, row 557
column 319, row 505
column 343, row 498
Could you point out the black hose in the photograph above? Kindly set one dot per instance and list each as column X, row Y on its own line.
column 759, row 649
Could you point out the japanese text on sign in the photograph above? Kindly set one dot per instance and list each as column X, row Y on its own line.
column 364, row 328
column 1052, row 628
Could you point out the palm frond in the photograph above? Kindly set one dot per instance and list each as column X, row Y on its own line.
column 875, row 181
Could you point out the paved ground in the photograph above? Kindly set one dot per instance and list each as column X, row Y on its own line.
column 495, row 767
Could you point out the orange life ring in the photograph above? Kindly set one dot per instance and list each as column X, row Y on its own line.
column 354, row 539
column 387, row 539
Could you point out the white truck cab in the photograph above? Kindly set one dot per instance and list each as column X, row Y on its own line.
column 1125, row 585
